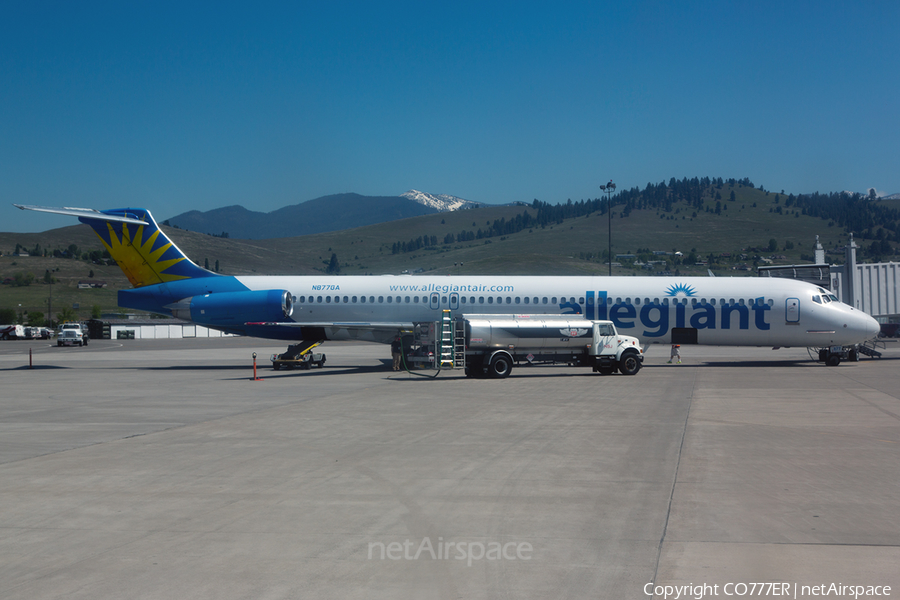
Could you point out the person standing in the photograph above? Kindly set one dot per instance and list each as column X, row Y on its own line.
column 396, row 349
column 676, row 353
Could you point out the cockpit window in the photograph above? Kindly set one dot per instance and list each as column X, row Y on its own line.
column 817, row 299
column 833, row 298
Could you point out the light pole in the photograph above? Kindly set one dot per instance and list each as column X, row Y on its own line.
column 609, row 188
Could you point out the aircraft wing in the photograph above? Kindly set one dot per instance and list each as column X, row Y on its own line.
column 364, row 326
column 381, row 332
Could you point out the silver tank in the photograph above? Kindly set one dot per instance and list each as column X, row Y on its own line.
column 528, row 333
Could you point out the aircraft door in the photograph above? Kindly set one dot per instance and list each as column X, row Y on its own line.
column 792, row 310
column 454, row 301
column 435, row 300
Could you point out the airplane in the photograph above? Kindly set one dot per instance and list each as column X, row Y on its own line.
column 311, row 309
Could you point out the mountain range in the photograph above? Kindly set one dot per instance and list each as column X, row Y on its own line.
column 320, row 215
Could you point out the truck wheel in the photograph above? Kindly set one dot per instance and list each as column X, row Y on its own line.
column 629, row 364
column 276, row 366
column 833, row 360
column 322, row 362
column 501, row 366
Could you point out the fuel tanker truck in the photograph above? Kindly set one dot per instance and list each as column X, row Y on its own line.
column 489, row 345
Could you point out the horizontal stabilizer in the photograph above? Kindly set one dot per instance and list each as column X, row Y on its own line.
column 88, row 213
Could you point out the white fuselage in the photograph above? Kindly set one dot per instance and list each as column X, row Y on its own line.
column 738, row 311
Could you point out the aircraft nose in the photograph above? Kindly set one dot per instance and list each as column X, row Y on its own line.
column 863, row 326
column 873, row 328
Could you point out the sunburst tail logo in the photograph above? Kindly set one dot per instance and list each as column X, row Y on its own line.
column 143, row 252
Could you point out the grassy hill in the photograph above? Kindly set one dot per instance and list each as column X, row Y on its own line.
column 573, row 245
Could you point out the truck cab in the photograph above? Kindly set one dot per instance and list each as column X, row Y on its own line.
column 77, row 327
column 611, row 351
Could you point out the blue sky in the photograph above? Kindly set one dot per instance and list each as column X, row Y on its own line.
column 179, row 106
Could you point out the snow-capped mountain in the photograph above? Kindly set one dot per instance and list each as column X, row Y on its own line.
column 439, row 202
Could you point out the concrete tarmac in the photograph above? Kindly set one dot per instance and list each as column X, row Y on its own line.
column 158, row 469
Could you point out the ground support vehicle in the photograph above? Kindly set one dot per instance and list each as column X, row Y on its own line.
column 12, row 332
column 82, row 332
column 489, row 345
column 833, row 355
column 299, row 356
column 71, row 337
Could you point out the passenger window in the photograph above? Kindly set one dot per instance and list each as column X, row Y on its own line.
column 380, row 299
column 490, row 299
column 527, row 299
column 362, row 299
column 319, row 299
column 553, row 300
column 480, row 299
column 518, row 300
column 407, row 299
column 544, row 300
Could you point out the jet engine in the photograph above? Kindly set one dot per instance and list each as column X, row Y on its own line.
column 235, row 308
